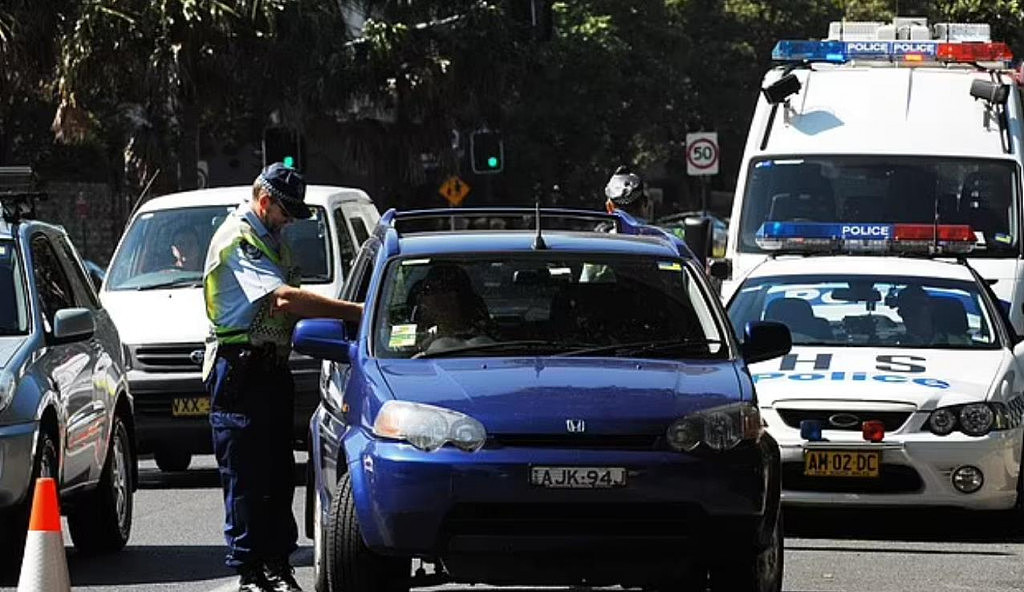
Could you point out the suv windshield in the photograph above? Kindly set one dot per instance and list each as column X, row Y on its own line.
column 543, row 304
column 871, row 311
column 167, row 248
column 13, row 307
column 886, row 189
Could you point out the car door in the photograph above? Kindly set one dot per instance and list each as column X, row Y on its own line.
column 68, row 366
column 104, row 348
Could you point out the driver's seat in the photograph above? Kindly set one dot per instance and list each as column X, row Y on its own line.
column 797, row 314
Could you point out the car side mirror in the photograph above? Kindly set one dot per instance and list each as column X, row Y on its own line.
column 325, row 339
column 72, row 324
column 698, row 236
column 765, row 340
column 720, row 269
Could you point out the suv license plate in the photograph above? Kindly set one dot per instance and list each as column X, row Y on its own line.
column 840, row 463
column 190, row 406
column 578, row 477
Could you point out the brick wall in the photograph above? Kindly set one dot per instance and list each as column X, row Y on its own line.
column 92, row 214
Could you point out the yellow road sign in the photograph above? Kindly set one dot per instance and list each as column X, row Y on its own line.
column 454, row 190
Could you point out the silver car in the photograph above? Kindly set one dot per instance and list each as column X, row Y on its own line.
column 65, row 408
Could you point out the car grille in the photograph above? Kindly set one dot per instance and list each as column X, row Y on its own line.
column 175, row 357
column 577, row 441
column 892, row 419
column 577, row 519
column 891, row 479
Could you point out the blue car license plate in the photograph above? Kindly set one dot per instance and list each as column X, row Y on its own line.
column 578, row 477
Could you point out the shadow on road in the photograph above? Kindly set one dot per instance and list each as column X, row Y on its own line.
column 910, row 524
column 202, row 478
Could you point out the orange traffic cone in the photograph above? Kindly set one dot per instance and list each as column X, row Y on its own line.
column 44, row 567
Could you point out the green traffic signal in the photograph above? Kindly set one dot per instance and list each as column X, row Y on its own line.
column 492, row 162
column 288, row 161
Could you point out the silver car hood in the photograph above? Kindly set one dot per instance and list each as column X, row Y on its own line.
column 8, row 347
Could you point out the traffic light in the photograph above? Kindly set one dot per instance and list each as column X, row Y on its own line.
column 284, row 145
column 487, row 152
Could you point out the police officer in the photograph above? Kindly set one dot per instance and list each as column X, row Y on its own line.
column 253, row 301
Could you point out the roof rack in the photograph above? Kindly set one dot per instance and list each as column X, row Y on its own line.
column 17, row 195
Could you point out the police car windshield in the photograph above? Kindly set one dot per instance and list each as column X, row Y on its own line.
column 886, row 189
column 870, row 311
column 13, row 308
column 167, row 248
column 543, row 304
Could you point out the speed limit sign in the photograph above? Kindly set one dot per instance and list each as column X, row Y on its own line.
column 702, row 153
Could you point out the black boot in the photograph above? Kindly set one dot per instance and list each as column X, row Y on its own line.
column 281, row 576
column 252, row 579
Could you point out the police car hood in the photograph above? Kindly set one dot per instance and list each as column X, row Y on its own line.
column 925, row 378
column 538, row 395
column 158, row 316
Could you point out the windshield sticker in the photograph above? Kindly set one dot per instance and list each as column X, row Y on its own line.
column 560, row 271
column 3, row 250
column 415, row 262
column 1001, row 238
column 402, row 336
column 669, row 266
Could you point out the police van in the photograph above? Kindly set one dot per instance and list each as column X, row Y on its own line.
column 886, row 128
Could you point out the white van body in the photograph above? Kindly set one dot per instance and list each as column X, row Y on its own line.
column 853, row 120
column 163, row 328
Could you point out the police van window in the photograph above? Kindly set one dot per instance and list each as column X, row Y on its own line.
column 359, row 228
column 544, row 304
column 52, row 284
column 870, row 311
column 310, row 243
column 13, row 299
column 165, row 248
column 345, row 244
column 85, row 295
column 984, row 194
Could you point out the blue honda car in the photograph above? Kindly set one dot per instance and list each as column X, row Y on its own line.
column 527, row 401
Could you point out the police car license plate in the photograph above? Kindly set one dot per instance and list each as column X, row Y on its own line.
column 190, row 406
column 578, row 477
column 841, row 463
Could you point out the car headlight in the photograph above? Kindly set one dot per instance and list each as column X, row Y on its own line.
column 976, row 419
column 942, row 422
column 720, row 428
column 428, row 427
column 973, row 419
column 7, row 385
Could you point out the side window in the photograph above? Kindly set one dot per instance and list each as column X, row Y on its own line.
column 85, row 294
column 358, row 282
column 51, row 282
column 359, row 228
column 345, row 244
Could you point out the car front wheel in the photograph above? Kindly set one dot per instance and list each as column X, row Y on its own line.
column 759, row 572
column 14, row 521
column 103, row 523
column 351, row 565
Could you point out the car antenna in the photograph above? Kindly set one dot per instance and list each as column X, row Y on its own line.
column 538, row 241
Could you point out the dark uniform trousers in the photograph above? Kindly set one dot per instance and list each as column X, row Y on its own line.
column 252, row 399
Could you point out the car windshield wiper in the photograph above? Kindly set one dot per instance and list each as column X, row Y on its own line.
column 642, row 347
column 178, row 283
column 529, row 344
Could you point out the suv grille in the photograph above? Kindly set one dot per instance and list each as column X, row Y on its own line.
column 177, row 357
column 892, row 419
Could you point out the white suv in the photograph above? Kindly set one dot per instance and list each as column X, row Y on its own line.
column 153, row 290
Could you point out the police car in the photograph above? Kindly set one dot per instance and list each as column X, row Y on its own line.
column 543, row 404
column 904, row 385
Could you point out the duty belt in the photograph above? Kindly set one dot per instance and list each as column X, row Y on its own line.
column 267, row 352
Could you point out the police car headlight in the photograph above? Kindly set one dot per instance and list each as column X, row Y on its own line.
column 942, row 422
column 428, row 427
column 720, row 428
column 7, row 387
column 976, row 419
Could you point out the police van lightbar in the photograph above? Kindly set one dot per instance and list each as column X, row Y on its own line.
column 892, row 51
column 865, row 238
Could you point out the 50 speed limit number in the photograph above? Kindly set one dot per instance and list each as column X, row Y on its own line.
column 702, row 153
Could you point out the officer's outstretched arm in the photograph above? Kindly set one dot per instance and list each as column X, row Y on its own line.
column 306, row 304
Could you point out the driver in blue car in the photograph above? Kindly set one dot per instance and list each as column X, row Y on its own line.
column 451, row 312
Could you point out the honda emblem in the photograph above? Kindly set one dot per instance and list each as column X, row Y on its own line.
column 575, row 426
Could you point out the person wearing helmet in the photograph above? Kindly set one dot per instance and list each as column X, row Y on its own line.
column 626, row 192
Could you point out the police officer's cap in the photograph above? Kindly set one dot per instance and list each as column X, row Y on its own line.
column 287, row 186
column 625, row 187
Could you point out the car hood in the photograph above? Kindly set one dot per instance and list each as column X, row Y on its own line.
column 921, row 377
column 538, row 395
column 158, row 316
column 9, row 345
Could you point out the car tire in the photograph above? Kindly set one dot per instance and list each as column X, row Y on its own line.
column 172, row 461
column 320, row 583
column 14, row 521
column 1015, row 515
column 351, row 565
column 760, row 572
column 103, row 522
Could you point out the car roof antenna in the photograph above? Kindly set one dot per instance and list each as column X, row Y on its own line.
column 538, row 241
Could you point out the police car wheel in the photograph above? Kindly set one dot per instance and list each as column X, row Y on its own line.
column 103, row 523
column 761, row 571
column 351, row 565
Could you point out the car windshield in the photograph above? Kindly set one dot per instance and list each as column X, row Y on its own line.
column 886, row 189
column 167, row 248
column 500, row 305
column 13, row 307
column 870, row 311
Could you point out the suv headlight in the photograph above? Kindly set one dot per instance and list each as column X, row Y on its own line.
column 7, row 386
column 973, row 419
column 720, row 428
column 428, row 427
